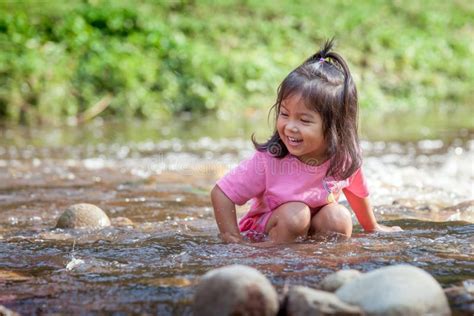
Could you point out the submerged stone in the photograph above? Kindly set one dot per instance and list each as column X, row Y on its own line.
column 302, row 301
column 335, row 280
column 235, row 290
column 396, row 290
column 83, row 216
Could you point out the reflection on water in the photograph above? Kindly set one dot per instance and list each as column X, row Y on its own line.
column 162, row 185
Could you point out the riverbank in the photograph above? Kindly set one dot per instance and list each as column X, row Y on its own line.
column 64, row 62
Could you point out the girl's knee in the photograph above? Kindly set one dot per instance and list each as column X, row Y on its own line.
column 332, row 218
column 294, row 217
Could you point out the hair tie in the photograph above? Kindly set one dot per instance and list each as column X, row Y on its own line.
column 321, row 60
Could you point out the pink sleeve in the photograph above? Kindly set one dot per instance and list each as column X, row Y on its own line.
column 358, row 184
column 245, row 181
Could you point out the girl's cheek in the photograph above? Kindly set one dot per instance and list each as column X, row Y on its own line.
column 280, row 124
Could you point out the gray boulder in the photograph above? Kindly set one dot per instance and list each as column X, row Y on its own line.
column 335, row 280
column 302, row 301
column 83, row 216
column 396, row 290
column 235, row 290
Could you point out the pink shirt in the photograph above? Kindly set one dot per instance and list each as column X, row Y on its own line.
column 271, row 182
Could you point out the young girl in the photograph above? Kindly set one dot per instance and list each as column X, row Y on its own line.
column 296, row 177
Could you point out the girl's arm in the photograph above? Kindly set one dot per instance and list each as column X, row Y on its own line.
column 226, row 218
column 365, row 215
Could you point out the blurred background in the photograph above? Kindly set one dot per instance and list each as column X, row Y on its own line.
column 67, row 63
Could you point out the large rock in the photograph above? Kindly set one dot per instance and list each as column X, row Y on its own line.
column 83, row 216
column 302, row 301
column 335, row 280
column 235, row 290
column 396, row 290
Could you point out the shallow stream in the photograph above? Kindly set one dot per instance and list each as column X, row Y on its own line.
column 160, row 181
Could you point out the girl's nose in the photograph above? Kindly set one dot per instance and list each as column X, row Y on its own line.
column 292, row 127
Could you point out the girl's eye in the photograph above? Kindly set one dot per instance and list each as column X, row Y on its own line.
column 284, row 114
column 305, row 121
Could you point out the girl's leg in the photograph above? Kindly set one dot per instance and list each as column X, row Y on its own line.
column 288, row 221
column 332, row 218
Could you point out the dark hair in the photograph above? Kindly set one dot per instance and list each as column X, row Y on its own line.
column 326, row 86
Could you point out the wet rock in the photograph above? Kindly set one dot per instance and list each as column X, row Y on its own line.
column 461, row 298
column 334, row 281
column 396, row 290
column 302, row 301
column 235, row 290
column 83, row 216
column 7, row 312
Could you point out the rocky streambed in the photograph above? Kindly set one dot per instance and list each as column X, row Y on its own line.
column 162, row 238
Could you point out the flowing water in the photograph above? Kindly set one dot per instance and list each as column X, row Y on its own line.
column 160, row 179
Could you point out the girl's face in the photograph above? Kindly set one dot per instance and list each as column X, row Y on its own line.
column 301, row 130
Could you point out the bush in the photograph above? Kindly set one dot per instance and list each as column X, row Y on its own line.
column 150, row 59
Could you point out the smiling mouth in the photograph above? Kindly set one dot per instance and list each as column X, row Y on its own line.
column 294, row 140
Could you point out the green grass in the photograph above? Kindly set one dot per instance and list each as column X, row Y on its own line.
column 160, row 58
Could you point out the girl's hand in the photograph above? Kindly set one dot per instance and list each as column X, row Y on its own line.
column 387, row 229
column 230, row 238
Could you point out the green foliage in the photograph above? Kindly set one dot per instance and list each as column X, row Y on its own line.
column 58, row 60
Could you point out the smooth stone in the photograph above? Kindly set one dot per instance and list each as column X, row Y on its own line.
column 83, row 216
column 302, row 301
column 235, row 290
column 396, row 290
column 7, row 312
column 335, row 280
